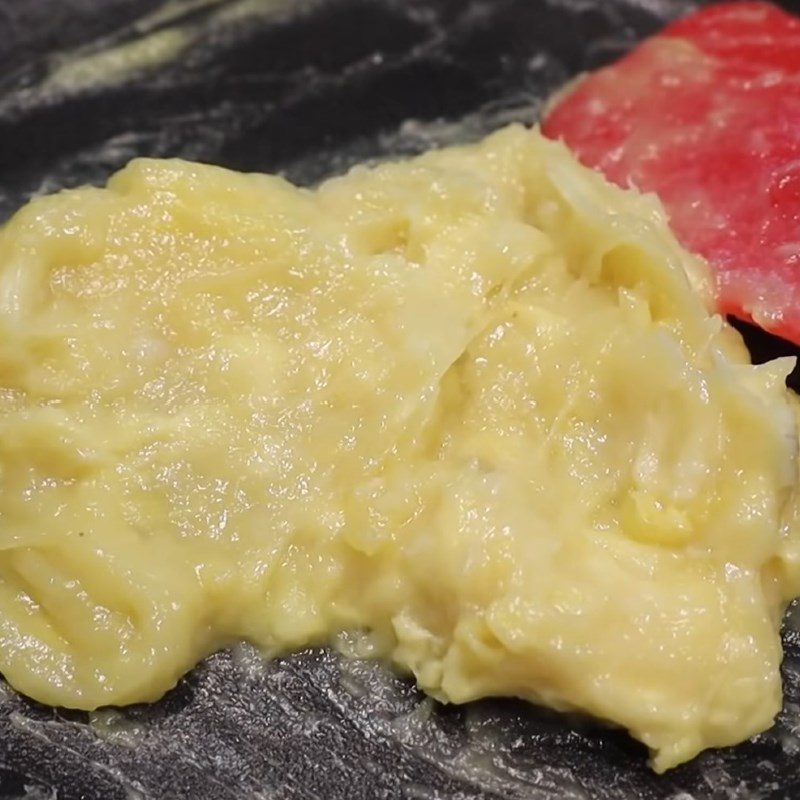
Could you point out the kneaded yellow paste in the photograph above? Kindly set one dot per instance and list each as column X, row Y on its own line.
column 472, row 407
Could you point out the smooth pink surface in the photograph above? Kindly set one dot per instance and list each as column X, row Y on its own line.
column 707, row 115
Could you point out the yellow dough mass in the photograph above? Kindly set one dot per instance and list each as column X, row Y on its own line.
column 472, row 407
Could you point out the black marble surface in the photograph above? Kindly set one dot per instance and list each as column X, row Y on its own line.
column 308, row 87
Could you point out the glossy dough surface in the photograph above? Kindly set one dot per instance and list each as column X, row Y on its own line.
column 470, row 407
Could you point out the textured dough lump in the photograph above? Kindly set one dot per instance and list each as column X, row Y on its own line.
column 472, row 406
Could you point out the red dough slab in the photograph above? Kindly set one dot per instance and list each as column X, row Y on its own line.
column 707, row 115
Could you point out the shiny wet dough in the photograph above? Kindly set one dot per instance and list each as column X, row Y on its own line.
column 471, row 406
